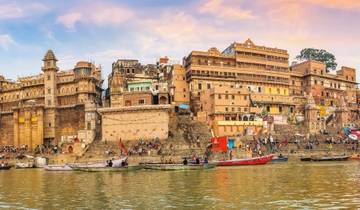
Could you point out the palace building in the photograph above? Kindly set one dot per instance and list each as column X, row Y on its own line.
column 50, row 107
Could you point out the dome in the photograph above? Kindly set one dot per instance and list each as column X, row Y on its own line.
column 49, row 56
column 83, row 64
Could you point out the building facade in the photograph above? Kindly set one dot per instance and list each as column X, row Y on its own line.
column 49, row 107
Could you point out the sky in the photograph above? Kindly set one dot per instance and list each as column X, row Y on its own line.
column 106, row 30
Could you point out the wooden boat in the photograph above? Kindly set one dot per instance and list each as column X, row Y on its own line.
column 242, row 162
column 117, row 163
column 331, row 158
column 5, row 167
column 108, row 169
column 58, row 168
column 177, row 166
column 326, row 158
column 24, row 165
column 355, row 157
column 279, row 159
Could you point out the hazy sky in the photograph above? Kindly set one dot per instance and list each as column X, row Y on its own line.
column 103, row 31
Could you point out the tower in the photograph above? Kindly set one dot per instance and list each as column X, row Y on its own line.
column 50, row 69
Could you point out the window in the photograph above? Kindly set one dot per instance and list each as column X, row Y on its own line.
column 226, row 109
column 245, row 97
column 315, row 82
column 219, row 96
column 232, row 97
column 199, row 86
column 233, row 109
column 141, row 101
column 49, row 91
column 89, row 126
column 278, row 90
column 226, row 96
column 208, row 86
column 280, row 109
column 49, row 124
column 48, row 77
column 259, row 89
column 293, row 82
column 268, row 108
column 331, row 103
column 327, row 94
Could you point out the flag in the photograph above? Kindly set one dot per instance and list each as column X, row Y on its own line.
column 122, row 147
column 219, row 144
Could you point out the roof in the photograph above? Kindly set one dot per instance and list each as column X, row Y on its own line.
column 49, row 56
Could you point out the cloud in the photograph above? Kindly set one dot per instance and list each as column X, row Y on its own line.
column 6, row 40
column 98, row 14
column 225, row 10
column 14, row 10
column 337, row 4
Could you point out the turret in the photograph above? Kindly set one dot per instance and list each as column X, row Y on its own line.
column 49, row 68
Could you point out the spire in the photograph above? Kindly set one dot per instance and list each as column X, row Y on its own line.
column 49, row 56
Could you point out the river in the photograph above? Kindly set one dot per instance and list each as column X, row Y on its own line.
column 292, row 185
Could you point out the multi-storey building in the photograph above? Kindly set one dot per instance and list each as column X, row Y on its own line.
column 311, row 78
column 179, row 88
column 51, row 106
column 131, row 83
column 229, row 111
column 262, row 70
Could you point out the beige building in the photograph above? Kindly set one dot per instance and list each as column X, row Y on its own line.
column 229, row 111
column 51, row 106
column 179, row 88
column 262, row 70
column 329, row 91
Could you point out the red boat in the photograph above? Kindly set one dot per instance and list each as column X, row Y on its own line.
column 355, row 157
column 242, row 162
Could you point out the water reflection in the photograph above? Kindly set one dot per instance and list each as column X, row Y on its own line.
column 291, row 185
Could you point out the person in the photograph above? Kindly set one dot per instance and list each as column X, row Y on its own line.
column 230, row 154
column 206, row 161
column 185, row 162
column 110, row 163
column 280, row 156
column 197, row 161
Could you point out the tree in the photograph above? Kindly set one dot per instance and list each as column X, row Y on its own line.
column 319, row 55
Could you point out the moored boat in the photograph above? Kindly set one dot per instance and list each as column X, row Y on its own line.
column 58, row 168
column 5, row 167
column 355, row 157
column 25, row 165
column 279, row 159
column 246, row 161
column 107, row 169
column 326, row 158
column 177, row 166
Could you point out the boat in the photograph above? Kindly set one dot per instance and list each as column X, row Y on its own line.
column 25, row 165
column 58, row 168
column 279, row 159
column 5, row 167
column 107, row 169
column 177, row 166
column 242, row 162
column 117, row 163
column 355, row 157
column 326, row 158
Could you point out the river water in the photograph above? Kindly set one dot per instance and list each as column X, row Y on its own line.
column 292, row 185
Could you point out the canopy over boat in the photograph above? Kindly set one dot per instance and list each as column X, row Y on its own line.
column 172, row 167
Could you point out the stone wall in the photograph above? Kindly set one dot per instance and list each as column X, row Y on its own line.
column 134, row 123
column 69, row 120
column 6, row 129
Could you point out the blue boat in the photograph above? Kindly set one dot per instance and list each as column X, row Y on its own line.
column 279, row 159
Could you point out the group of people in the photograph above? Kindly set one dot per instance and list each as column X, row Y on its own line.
column 13, row 149
column 47, row 149
column 144, row 148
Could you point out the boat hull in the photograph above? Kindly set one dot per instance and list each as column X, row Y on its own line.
column 174, row 167
column 58, row 168
column 330, row 158
column 279, row 159
column 243, row 162
column 5, row 167
column 108, row 169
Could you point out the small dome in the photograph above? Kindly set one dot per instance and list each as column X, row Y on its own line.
column 83, row 64
column 49, row 56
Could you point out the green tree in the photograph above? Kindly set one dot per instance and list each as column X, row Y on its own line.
column 319, row 55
